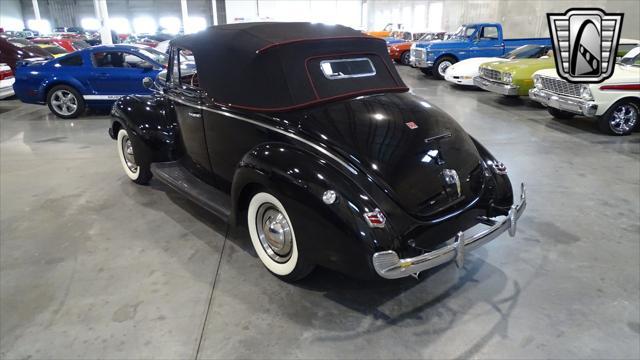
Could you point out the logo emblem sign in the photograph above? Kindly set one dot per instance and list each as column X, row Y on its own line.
column 585, row 43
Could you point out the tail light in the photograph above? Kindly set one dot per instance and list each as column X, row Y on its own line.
column 6, row 74
column 375, row 219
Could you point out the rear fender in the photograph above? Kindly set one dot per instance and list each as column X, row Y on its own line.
column 150, row 122
column 333, row 235
column 500, row 194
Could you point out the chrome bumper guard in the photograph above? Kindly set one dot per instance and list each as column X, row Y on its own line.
column 494, row 86
column 388, row 265
column 566, row 103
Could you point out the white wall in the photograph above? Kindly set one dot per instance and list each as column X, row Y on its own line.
column 520, row 18
column 344, row 12
column 11, row 15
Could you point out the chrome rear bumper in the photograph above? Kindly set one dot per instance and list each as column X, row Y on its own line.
column 494, row 86
column 388, row 265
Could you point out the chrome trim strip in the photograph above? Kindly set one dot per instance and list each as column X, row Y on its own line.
column 273, row 128
column 389, row 265
column 103, row 97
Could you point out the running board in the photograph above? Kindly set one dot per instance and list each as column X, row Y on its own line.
column 180, row 179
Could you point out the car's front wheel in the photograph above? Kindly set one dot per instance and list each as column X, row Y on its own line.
column 405, row 58
column 441, row 66
column 65, row 102
column 620, row 119
column 138, row 171
column 274, row 238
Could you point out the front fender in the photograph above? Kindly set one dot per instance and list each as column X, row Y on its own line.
column 150, row 122
column 335, row 235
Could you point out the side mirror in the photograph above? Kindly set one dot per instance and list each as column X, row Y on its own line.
column 148, row 83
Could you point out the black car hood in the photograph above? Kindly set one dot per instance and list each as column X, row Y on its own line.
column 407, row 146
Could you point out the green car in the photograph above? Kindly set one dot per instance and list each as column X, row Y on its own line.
column 511, row 78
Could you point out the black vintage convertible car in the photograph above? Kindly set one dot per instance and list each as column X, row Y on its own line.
column 306, row 134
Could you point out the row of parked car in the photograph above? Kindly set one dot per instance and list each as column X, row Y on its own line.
column 478, row 55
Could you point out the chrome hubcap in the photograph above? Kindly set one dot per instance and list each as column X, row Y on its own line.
column 274, row 232
column 442, row 68
column 624, row 119
column 127, row 151
column 64, row 102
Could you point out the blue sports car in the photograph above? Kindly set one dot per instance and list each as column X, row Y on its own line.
column 91, row 77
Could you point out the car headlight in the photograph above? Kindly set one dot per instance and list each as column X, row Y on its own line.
column 506, row 77
column 537, row 82
column 585, row 92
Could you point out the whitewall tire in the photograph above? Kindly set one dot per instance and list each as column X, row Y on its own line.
column 138, row 173
column 274, row 239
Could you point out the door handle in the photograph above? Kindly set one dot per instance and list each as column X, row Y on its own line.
column 195, row 114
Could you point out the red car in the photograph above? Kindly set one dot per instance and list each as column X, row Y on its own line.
column 14, row 50
column 70, row 45
column 400, row 52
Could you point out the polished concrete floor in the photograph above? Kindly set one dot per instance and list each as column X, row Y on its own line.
column 94, row 266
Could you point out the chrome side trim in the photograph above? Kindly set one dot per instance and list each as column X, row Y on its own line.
column 389, row 265
column 273, row 128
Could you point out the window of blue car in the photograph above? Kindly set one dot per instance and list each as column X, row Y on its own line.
column 119, row 59
column 489, row 32
column 75, row 60
column 155, row 55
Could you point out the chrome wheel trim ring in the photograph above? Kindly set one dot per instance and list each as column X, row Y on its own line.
column 623, row 119
column 443, row 66
column 274, row 232
column 64, row 102
column 127, row 152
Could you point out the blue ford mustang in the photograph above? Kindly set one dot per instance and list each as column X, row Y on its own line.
column 92, row 77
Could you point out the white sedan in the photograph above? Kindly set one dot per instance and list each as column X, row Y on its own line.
column 6, row 81
column 463, row 72
column 615, row 102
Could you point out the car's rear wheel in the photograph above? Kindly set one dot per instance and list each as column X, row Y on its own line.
column 405, row 58
column 441, row 66
column 560, row 114
column 274, row 239
column 620, row 119
column 138, row 171
column 65, row 102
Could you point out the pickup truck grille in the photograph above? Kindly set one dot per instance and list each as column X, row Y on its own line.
column 560, row 86
column 417, row 54
column 491, row 74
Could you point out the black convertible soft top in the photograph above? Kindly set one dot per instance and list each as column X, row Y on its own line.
column 285, row 66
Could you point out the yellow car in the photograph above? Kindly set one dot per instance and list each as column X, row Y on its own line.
column 54, row 49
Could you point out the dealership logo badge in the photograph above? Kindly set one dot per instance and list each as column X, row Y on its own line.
column 585, row 43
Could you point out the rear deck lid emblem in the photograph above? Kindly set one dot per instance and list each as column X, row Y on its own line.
column 411, row 125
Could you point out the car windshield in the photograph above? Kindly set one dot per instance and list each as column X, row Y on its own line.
column 632, row 58
column 463, row 32
column 156, row 56
column 527, row 52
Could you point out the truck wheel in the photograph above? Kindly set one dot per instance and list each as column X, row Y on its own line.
column 404, row 58
column 139, row 172
column 274, row 239
column 620, row 119
column 560, row 114
column 65, row 102
column 440, row 67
